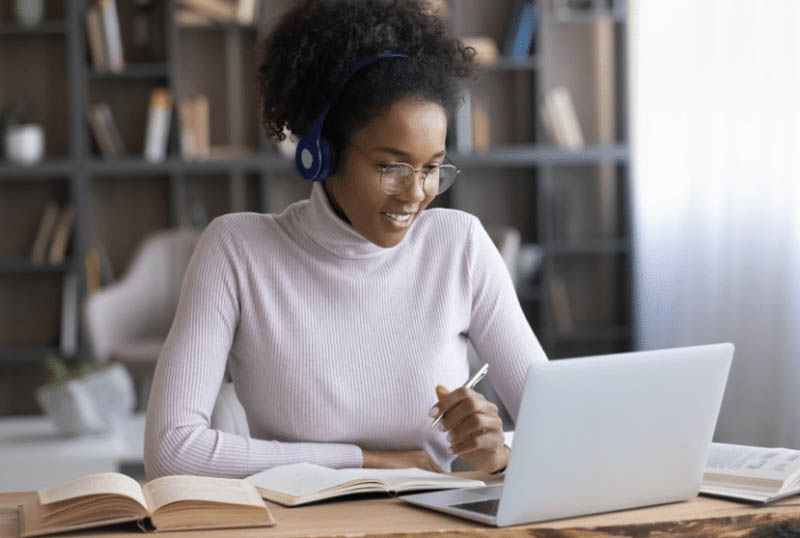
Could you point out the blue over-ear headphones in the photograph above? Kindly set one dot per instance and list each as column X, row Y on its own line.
column 314, row 156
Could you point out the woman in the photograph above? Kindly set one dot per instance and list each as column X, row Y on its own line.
column 346, row 316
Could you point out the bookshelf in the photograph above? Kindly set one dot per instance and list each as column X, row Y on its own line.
column 551, row 194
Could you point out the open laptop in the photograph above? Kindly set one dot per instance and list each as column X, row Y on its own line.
column 603, row 433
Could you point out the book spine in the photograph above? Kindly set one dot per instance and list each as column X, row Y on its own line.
column 116, row 60
column 111, row 127
column 58, row 248
column 101, row 136
column 45, row 232
column 94, row 32
column 464, row 124
column 156, row 137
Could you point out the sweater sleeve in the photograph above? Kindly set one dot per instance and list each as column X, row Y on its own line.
column 499, row 330
column 188, row 376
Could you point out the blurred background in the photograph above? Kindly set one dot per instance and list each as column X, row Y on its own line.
column 635, row 162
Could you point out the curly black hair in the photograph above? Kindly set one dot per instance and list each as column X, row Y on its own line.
column 305, row 60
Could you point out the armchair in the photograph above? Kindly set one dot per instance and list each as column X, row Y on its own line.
column 129, row 320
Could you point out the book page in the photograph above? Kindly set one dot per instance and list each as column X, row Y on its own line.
column 770, row 463
column 170, row 489
column 303, row 479
column 298, row 479
column 94, row 484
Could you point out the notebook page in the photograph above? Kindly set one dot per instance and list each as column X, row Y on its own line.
column 298, row 479
column 94, row 484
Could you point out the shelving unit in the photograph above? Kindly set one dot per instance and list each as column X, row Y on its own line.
column 520, row 181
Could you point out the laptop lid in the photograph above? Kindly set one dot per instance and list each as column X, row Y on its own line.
column 610, row 432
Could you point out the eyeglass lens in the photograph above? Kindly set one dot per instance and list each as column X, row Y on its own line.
column 396, row 178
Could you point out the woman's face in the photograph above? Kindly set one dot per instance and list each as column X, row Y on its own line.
column 412, row 132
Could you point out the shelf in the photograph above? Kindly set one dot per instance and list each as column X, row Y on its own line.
column 19, row 265
column 589, row 246
column 133, row 70
column 533, row 155
column 47, row 169
column 594, row 334
column 27, row 354
column 138, row 166
column 45, row 28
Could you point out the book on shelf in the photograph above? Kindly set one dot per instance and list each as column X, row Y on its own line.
column 560, row 119
column 169, row 503
column 61, row 235
column 113, row 36
column 302, row 483
column 463, row 123
column 480, row 125
column 105, row 131
column 751, row 473
column 520, row 37
column 242, row 12
column 195, row 127
column 47, row 225
column 158, row 120
column 97, row 40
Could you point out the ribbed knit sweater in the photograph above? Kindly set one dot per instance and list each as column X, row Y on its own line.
column 336, row 344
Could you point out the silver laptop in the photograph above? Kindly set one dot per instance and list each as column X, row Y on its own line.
column 603, row 433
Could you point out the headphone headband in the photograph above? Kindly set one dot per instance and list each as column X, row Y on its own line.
column 314, row 157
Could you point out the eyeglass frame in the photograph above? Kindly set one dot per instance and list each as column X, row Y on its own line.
column 424, row 174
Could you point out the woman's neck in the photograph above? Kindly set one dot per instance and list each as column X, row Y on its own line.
column 334, row 205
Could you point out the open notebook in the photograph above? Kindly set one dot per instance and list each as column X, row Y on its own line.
column 302, row 483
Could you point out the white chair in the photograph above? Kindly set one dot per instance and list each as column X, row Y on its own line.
column 129, row 320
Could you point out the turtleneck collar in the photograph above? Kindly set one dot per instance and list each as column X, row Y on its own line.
column 330, row 232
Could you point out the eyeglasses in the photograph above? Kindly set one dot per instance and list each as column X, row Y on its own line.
column 397, row 177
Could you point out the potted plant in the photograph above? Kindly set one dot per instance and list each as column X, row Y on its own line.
column 86, row 400
column 24, row 138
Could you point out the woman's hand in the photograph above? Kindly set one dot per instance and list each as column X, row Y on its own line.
column 399, row 460
column 475, row 429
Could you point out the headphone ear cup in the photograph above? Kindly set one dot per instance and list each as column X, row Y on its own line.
column 308, row 159
column 326, row 160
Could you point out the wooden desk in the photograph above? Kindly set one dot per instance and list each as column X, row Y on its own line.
column 700, row 517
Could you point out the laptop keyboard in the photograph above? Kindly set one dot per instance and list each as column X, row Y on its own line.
column 488, row 507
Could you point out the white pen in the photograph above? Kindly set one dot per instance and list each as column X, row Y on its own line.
column 469, row 384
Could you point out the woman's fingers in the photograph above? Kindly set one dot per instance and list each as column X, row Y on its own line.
column 465, row 408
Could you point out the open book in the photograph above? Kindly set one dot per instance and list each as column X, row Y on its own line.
column 302, row 483
column 752, row 473
column 167, row 503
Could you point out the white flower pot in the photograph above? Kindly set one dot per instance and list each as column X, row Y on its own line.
column 24, row 144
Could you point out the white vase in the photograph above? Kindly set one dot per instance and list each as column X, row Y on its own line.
column 24, row 144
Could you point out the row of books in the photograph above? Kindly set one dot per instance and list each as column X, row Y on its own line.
column 472, row 122
column 194, row 119
column 53, row 234
column 107, row 135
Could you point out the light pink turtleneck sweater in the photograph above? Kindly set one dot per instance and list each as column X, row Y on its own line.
column 336, row 343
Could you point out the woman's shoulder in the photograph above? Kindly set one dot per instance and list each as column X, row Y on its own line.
column 250, row 226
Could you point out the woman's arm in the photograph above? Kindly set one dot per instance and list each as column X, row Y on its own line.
column 502, row 338
column 178, row 439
